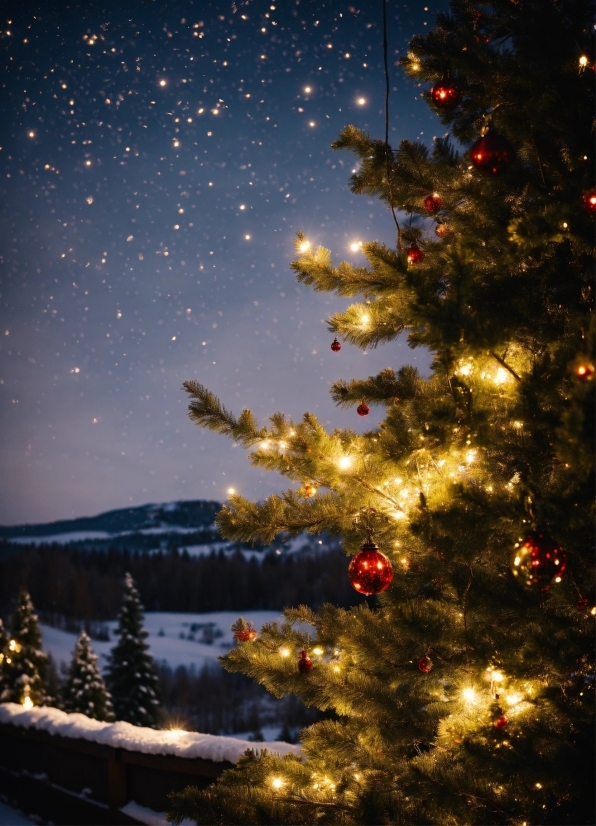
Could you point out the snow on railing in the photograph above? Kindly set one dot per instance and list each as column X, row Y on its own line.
column 188, row 744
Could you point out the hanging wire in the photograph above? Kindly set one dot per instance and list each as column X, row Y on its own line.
column 387, row 148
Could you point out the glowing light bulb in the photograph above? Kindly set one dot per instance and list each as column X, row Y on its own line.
column 355, row 246
column 583, row 61
column 231, row 491
column 361, row 101
column 308, row 90
column 465, row 370
column 345, row 462
column 469, row 695
column 304, row 246
column 247, row 237
column 513, row 699
column 27, row 703
column 470, row 456
column 497, row 677
column 318, row 651
column 162, row 82
column 242, row 206
column 501, row 376
column 277, row 782
column 285, row 652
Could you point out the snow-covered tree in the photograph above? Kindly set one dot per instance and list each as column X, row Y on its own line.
column 84, row 689
column 25, row 664
column 131, row 677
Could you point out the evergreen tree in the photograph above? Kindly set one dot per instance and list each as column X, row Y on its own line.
column 130, row 675
column 84, row 689
column 466, row 696
column 25, row 664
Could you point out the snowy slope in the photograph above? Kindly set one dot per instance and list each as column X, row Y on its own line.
column 168, row 647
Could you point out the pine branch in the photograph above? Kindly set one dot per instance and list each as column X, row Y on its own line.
column 207, row 411
column 384, row 387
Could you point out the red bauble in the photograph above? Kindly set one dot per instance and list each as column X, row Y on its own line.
column 539, row 560
column 445, row 95
column 582, row 603
column 492, row 153
column 415, row 254
column 425, row 664
column 363, row 409
column 432, row 203
column 304, row 663
column 249, row 635
column 501, row 722
column 589, row 201
column 370, row 571
column 335, row 346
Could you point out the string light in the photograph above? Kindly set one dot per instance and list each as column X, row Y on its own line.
column 285, row 652
column 277, row 782
column 345, row 462
column 231, row 491
column 501, row 376
column 469, row 695
column 583, row 61
column 304, row 246
column 27, row 703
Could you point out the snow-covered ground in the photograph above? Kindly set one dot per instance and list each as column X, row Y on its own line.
column 12, row 817
column 176, row 639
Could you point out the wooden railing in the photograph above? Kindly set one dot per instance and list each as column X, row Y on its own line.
column 72, row 781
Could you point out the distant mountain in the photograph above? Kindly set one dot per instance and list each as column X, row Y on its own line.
column 194, row 519
column 187, row 524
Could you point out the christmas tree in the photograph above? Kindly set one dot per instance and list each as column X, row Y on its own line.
column 466, row 694
column 84, row 689
column 130, row 675
column 3, row 654
column 24, row 666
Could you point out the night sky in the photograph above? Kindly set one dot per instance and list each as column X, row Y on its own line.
column 156, row 161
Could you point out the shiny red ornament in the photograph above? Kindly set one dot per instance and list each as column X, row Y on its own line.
column 248, row 635
column 538, row 561
column 589, row 201
column 492, row 154
column 335, row 346
column 369, row 571
column 445, row 95
column 582, row 603
column 501, row 722
column 304, row 663
column 363, row 409
column 432, row 203
column 415, row 254
column 425, row 665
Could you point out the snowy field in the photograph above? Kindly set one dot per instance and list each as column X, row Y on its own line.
column 175, row 639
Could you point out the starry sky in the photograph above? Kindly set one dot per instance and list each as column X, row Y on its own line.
column 156, row 160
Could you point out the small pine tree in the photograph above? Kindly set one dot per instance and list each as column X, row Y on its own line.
column 84, row 689
column 131, row 677
column 25, row 664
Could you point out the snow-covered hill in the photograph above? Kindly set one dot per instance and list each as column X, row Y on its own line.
column 174, row 639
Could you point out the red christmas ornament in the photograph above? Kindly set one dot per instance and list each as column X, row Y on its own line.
column 304, row 663
column 538, row 561
column 243, row 631
column 415, row 254
column 363, row 409
column 369, row 571
column 492, row 153
column 589, row 201
column 582, row 603
column 501, row 722
column 445, row 95
column 335, row 346
column 425, row 664
column 432, row 203
column 442, row 230
column 584, row 371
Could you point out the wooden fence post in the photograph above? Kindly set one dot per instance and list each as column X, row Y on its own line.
column 117, row 785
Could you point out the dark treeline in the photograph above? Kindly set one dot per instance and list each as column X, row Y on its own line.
column 87, row 585
column 215, row 702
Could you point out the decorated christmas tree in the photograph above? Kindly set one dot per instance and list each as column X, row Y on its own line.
column 3, row 653
column 130, row 675
column 24, row 667
column 84, row 689
column 465, row 695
